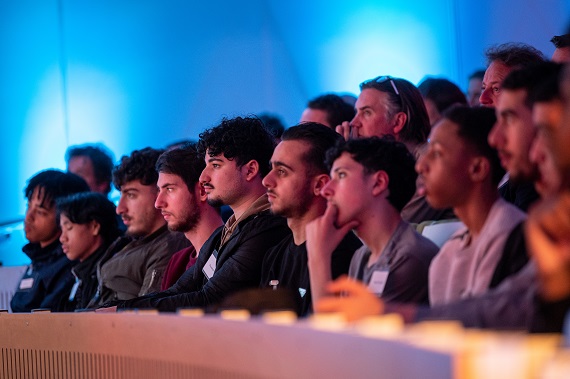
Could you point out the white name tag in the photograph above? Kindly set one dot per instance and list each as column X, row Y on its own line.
column 378, row 281
column 210, row 266
column 26, row 283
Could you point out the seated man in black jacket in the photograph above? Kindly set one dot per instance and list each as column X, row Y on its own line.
column 237, row 154
column 48, row 278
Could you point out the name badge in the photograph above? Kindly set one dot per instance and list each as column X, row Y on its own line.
column 74, row 290
column 26, row 283
column 210, row 266
column 378, row 281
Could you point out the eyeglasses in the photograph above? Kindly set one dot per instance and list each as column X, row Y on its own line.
column 403, row 101
column 386, row 78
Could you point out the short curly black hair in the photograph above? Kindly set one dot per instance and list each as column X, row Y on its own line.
column 382, row 154
column 82, row 208
column 240, row 138
column 53, row 185
column 138, row 166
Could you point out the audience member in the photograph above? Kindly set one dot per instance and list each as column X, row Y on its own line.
column 475, row 81
column 88, row 226
column 134, row 265
column 461, row 170
column 182, row 201
column 237, row 154
column 94, row 163
column 547, row 111
column 371, row 181
column 439, row 94
column 548, row 226
column 533, row 300
column 514, row 133
column 329, row 109
column 48, row 278
column 389, row 106
column 293, row 187
column 501, row 60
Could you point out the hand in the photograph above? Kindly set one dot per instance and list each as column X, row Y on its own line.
column 356, row 303
column 547, row 232
column 323, row 236
column 344, row 130
column 106, row 310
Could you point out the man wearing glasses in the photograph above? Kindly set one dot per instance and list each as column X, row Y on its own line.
column 389, row 106
column 394, row 106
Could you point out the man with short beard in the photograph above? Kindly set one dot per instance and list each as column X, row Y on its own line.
column 293, row 187
column 133, row 266
column 183, row 204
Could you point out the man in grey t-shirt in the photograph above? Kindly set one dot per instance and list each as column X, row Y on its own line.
column 371, row 181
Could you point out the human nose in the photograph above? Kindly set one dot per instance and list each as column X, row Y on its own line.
column 421, row 166
column 486, row 98
column 495, row 137
column 204, row 176
column 159, row 202
column 121, row 206
column 63, row 236
column 29, row 215
column 269, row 182
column 536, row 153
column 355, row 122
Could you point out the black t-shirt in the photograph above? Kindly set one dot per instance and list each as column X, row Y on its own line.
column 287, row 263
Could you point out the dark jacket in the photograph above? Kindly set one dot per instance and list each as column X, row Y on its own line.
column 134, row 267
column 85, row 287
column 523, row 195
column 238, row 266
column 47, row 280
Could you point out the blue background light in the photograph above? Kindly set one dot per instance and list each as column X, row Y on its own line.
column 142, row 73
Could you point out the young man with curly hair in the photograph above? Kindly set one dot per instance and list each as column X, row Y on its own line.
column 237, row 154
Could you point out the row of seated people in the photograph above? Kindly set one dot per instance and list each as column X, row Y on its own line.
column 295, row 207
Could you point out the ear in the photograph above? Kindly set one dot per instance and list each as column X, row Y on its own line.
column 380, row 182
column 199, row 192
column 399, row 121
column 251, row 169
column 319, row 182
column 479, row 169
column 95, row 228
